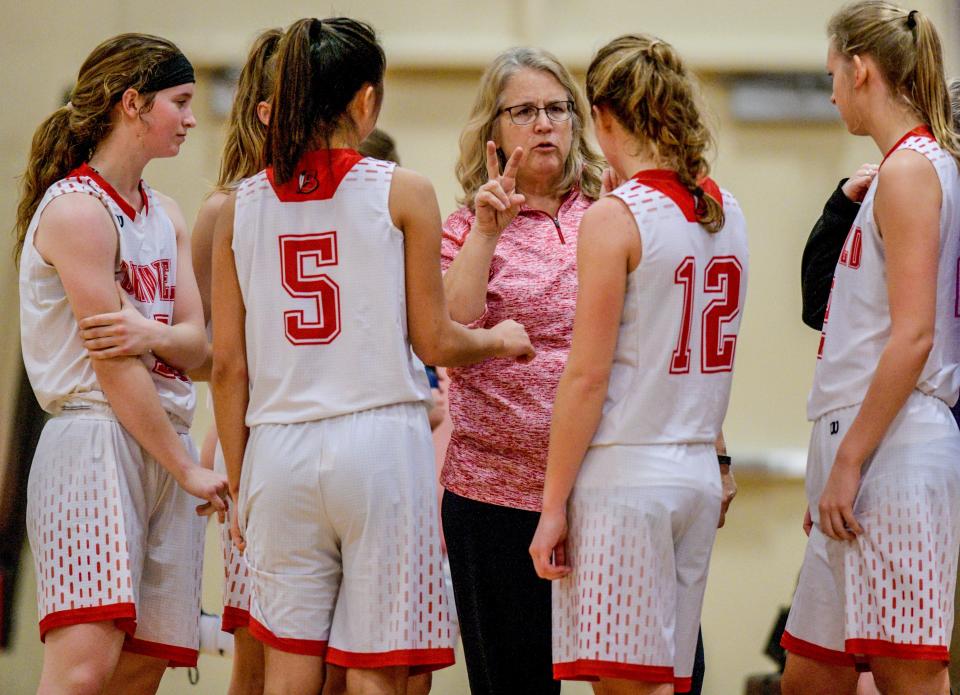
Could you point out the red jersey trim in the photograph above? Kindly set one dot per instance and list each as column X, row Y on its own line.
column 592, row 670
column 916, row 652
column 123, row 614
column 176, row 656
column 306, row 647
column 317, row 175
column 234, row 617
column 420, row 660
column 921, row 131
column 668, row 183
column 91, row 173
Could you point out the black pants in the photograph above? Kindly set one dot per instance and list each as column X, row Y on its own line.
column 502, row 605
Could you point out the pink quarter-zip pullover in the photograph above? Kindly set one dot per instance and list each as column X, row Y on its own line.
column 501, row 408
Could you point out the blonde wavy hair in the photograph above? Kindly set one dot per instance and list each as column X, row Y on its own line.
column 645, row 85
column 583, row 167
column 907, row 49
column 243, row 147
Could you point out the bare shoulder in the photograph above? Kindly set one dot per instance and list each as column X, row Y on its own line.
column 907, row 169
column 75, row 223
column 609, row 222
column 170, row 206
column 410, row 193
column 410, row 182
column 208, row 212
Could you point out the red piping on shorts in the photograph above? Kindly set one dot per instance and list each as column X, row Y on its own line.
column 306, row 647
column 592, row 670
column 419, row 660
column 176, row 656
column 813, row 651
column 233, row 618
column 123, row 614
column 918, row 652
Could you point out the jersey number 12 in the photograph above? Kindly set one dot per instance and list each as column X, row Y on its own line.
column 721, row 277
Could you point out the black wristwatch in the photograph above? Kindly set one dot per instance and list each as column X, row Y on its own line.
column 724, row 460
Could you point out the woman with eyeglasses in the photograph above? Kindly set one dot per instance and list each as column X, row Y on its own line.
column 527, row 175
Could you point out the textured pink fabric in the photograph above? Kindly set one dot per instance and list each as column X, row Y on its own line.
column 501, row 408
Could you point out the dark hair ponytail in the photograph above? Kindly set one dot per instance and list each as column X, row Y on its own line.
column 321, row 65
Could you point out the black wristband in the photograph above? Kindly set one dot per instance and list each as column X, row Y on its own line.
column 724, row 460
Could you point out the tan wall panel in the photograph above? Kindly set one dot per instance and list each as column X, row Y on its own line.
column 781, row 174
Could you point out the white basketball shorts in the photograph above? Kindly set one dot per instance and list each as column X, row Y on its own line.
column 340, row 518
column 642, row 521
column 236, row 574
column 114, row 537
column 889, row 593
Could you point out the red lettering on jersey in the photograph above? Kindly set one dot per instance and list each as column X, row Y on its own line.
column 686, row 275
column 319, row 250
column 723, row 275
column 826, row 317
column 162, row 368
column 852, row 249
column 146, row 283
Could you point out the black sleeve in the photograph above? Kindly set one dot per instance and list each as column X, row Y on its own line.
column 821, row 253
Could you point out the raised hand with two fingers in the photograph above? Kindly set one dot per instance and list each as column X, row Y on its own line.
column 497, row 202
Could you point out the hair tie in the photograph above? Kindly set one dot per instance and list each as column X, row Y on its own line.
column 699, row 204
column 68, row 106
column 912, row 20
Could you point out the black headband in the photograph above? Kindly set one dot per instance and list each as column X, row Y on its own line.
column 175, row 70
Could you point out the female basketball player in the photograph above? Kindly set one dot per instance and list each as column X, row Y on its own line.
column 242, row 157
column 116, row 543
column 883, row 481
column 632, row 494
column 326, row 279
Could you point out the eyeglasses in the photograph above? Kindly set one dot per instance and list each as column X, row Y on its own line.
column 525, row 114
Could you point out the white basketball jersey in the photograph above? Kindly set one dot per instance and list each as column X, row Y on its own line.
column 856, row 326
column 321, row 270
column 53, row 352
column 673, row 364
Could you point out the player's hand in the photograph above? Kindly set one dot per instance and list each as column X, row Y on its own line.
column 514, row 341
column 236, row 535
column 856, row 186
column 549, row 546
column 807, row 522
column 124, row 333
column 497, row 202
column 728, row 486
column 609, row 181
column 836, row 501
column 207, row 485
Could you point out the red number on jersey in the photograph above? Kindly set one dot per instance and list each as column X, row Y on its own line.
column 300, row 256
column 159, row 366
column 722, row 276
column 686, row 275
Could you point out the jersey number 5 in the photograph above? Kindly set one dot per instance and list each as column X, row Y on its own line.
column 722, row 277
column 301, row 255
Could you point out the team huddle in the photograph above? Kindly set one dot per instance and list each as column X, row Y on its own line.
column 588, row 308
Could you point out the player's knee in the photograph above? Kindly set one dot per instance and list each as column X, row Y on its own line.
column 790, row 684
column 84, row 678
